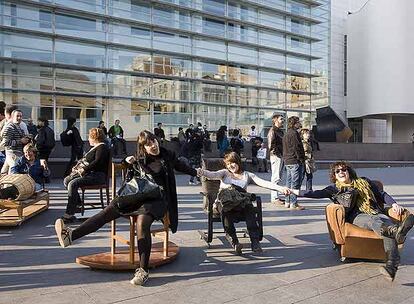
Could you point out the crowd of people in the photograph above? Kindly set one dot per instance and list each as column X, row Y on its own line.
column 26, row 149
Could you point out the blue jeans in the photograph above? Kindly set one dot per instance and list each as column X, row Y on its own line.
column 293, row 180
column 374, row 223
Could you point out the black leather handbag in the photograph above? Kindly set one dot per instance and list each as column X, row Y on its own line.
column 346, row 198
column 141, row 186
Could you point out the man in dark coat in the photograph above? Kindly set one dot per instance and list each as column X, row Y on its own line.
column 76, row 151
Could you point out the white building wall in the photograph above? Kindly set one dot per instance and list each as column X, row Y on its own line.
column 380, row 64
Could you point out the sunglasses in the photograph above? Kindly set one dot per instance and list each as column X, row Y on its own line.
column 341, row 170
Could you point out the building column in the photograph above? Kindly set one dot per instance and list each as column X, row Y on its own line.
column 389, row 129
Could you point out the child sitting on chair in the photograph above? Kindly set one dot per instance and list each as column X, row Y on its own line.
column 233, row 184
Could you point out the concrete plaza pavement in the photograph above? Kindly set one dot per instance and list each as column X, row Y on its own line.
column 297, row 265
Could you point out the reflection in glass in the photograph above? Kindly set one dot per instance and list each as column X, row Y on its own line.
column 25, row 47
column 170, row 89
column 80, row 81
column 79, row 26
column 70, row 52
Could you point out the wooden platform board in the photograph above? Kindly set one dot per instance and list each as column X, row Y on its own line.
column 120, row 261
column 11, row 218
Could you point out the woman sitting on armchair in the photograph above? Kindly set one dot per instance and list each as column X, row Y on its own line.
column 92, row 169
column 365, row 206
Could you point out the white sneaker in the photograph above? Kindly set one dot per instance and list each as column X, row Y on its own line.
column 63, row 233
column 287, row 204
column 140, row 277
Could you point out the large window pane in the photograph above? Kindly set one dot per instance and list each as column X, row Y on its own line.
column 80, row 81
column 20, row 46
column 210, row 71
column 167, row 65
column 70, row 52
column 272, row 80
column 129, row 86
column 25, row 76
column 213, row 27
column 217, row 7
column 271, row 19
column 242, row 54
column 271, row 60
column 272, row 39
column 131, row 9
column 298, row 101
column 26, row 17
column 87, row 110
column 298, row 83
column 130, row 35
column 270, row 98
column 134, row 116
column 298, row 64
column 129, row 60
column 242, row 75
column 209, row 48
column 209, row 93
column 97, row 6
column 242, row 96
column 172, row 116
column 299, row 45
column 243, row 118
column 172, row 42
column 212, row 116
column 171, row 89
column 79, row 27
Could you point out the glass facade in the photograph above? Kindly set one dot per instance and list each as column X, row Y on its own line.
column 220, row 62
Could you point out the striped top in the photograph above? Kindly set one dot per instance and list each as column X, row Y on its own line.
column 12, row 135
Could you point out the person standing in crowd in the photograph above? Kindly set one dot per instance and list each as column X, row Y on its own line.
column 194, row 150
column 206, row 139
column 222, row 140
column 309, row 166
column 189, row 130
column 253, row 133
column 294, row 159
column 233, row 184
column 116, row 134
column 31, row 128
column 158, row 163
column 275, row 145
column 75, row 142
column 236, row 142
column 14, row 139
column 261, row 158
column 101, row 126
column 45, row 139
column 181, row 136
column 368, row 209
column 92, row 172
column 314, row 143
column 159, row 132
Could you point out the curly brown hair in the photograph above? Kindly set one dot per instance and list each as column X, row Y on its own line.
column 292, row 121
column 233, row 157
column 97, row 134
column 342, row 164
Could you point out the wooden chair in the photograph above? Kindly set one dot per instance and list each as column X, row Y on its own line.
column 210, row 190
column 352, row 241
column 162, row 232
column 101, row 187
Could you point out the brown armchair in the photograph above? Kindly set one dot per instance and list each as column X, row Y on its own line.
column 353, row 241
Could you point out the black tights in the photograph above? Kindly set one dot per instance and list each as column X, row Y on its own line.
column 110, row 213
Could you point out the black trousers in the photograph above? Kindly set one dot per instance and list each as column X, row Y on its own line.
column 240, row 214
column 76, row 153
column 110, row 213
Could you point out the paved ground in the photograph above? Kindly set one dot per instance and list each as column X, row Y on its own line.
column 298, row 264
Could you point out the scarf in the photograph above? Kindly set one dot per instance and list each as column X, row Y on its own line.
column 365, row 195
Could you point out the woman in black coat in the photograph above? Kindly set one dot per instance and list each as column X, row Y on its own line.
column 157, row 162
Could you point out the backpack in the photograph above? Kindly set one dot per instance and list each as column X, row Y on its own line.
column 66, row 139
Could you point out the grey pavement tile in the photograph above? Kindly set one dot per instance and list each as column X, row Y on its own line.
column 75, row 295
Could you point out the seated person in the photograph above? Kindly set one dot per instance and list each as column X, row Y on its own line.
column 27, row 164
column 367, row 210
column 92, row 169
column 235, row 177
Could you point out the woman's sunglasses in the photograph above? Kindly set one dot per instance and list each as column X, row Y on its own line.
column 341, row 170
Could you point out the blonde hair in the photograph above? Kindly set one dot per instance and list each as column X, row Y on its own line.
column 97, row 134
column 30, row 147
